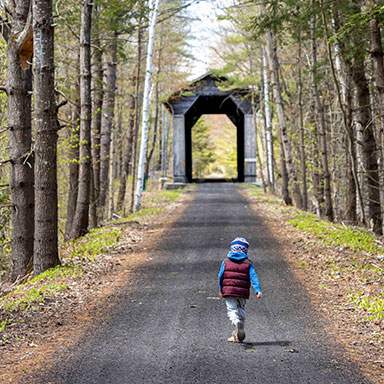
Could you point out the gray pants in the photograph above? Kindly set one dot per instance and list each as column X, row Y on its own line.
column 236, row 309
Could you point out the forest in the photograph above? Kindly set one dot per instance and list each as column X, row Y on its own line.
column 83, row 126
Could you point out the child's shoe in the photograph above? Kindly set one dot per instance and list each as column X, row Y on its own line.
column 240, row 331
column 234, row 338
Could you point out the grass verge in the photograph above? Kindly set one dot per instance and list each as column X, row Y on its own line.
column 348, row 257
column 82, row 260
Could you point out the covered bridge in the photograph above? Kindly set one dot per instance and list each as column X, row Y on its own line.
column 204, row 96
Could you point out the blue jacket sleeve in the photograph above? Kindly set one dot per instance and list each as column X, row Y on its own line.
column 254, row 279
column 221, row 276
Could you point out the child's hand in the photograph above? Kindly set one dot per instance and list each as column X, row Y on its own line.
column 220, row 293
column 259, row 295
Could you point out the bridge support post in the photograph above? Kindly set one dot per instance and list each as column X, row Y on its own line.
column 249, row 149
column 179, row 172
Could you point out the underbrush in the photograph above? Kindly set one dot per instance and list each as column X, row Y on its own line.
column 354, row 238
column 77, row 257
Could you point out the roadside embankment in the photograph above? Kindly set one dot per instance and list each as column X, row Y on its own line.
column 49, row 310
column 342, row 267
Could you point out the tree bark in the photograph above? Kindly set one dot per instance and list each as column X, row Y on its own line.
column 73, row 155
column 137, row 108
column 81, row 219
column 154, row 139
column 127, row 158
column 323, row 138
column 107, row 117
column 377, row 56
column 283, row 126
column 369, row 148
column 268, row 125
column 111, row 178
column 21, row 180
column 344, row 96
column 97, row 106
column 301, row 132
column 45, row 115
column 154, row 5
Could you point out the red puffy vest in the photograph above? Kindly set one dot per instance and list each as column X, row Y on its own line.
column 236, row 278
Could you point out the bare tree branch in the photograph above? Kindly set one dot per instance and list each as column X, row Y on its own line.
column 4, row 130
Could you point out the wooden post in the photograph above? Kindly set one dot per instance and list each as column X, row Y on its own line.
column 179, row 173
column 249, row 149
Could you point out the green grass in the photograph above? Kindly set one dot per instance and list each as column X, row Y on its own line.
column 360, row 242
column 96, row 242
column 356, row 239
column 34, row 293
column 373, row 305
column 30, row 298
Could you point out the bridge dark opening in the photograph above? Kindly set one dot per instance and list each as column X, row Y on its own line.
column 214, row 105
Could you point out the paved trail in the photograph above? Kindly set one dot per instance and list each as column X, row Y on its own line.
column 154, row 336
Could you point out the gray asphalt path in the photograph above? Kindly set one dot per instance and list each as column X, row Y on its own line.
column 171, row 328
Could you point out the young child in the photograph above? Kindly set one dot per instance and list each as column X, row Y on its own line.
column 236, row 276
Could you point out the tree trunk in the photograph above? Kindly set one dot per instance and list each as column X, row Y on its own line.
column 154, row 5
column 283, row 127
column 155, row 129
column 323, row 138
column 268, row 125
column 45, row 116
column 73, row 155
column 127, row 158
column 369, row 148
column 97, row 106
column 344, row 96
column 302, row 133
column 21, row 180
column 111, row 174
column 137, row 108
column 107, row 117
column 81, row 219
column 284, row 174
column 377, row 56
column 349, row 143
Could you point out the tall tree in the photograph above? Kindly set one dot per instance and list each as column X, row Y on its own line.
column 18, row 34
column 320, row 113
column 97, row 105
column 46, row 126
column 73, row 177
column 107, row 117
column 286, row 143
column 127, row 158
column 146, row 104
column 81, row 219
column 268, row 123
column 377, row 56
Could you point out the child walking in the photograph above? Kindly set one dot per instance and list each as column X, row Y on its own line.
column 236, row 276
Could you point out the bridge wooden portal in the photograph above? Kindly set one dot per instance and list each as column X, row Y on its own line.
column 204, row 96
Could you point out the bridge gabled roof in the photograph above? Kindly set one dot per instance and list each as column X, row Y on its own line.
column 210, row 88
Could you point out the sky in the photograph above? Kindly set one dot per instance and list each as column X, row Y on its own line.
column 205, row 28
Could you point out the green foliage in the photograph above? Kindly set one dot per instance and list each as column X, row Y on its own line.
column 202, row 149
column 373, row 306
column 96, row 242
column 56, row 273
column 30, row 298
column 356, row 239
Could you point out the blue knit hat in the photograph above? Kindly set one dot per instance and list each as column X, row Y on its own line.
column 240, row 245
